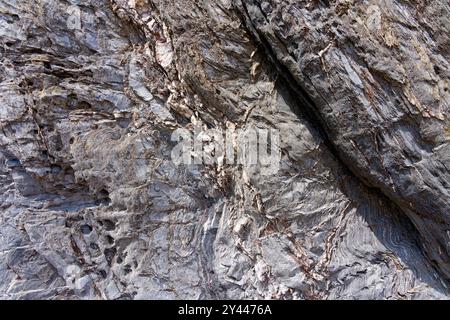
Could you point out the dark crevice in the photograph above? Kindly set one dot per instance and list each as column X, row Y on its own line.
column 305, row 108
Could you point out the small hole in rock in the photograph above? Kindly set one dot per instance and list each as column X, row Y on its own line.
column 86, row 229
column 109, row 239
column 109, row 225
column 58, row 143
column 109, row 254
column 103, row 274
column 94, row 246
column 437, row 70
column 13, row 163
column 103, row 197
column 72, row 100
column 84, row 105
column 127, row 269
column 69, row 171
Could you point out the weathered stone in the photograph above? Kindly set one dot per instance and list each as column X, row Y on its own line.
column 93, row 207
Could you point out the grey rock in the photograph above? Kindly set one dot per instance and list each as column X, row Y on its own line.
column 375, row 75
column 93, row 207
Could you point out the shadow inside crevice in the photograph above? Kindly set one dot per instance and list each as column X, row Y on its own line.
column 384, row 217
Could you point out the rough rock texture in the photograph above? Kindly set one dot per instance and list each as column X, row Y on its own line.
column 93, row 207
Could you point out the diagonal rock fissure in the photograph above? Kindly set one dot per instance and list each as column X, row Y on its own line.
column 306, row 108
column 305, row 105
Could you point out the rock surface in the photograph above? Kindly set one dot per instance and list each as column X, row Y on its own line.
column 93, row 207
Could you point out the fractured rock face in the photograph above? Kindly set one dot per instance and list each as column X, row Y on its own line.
column 93, row 207
column 377, row 74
